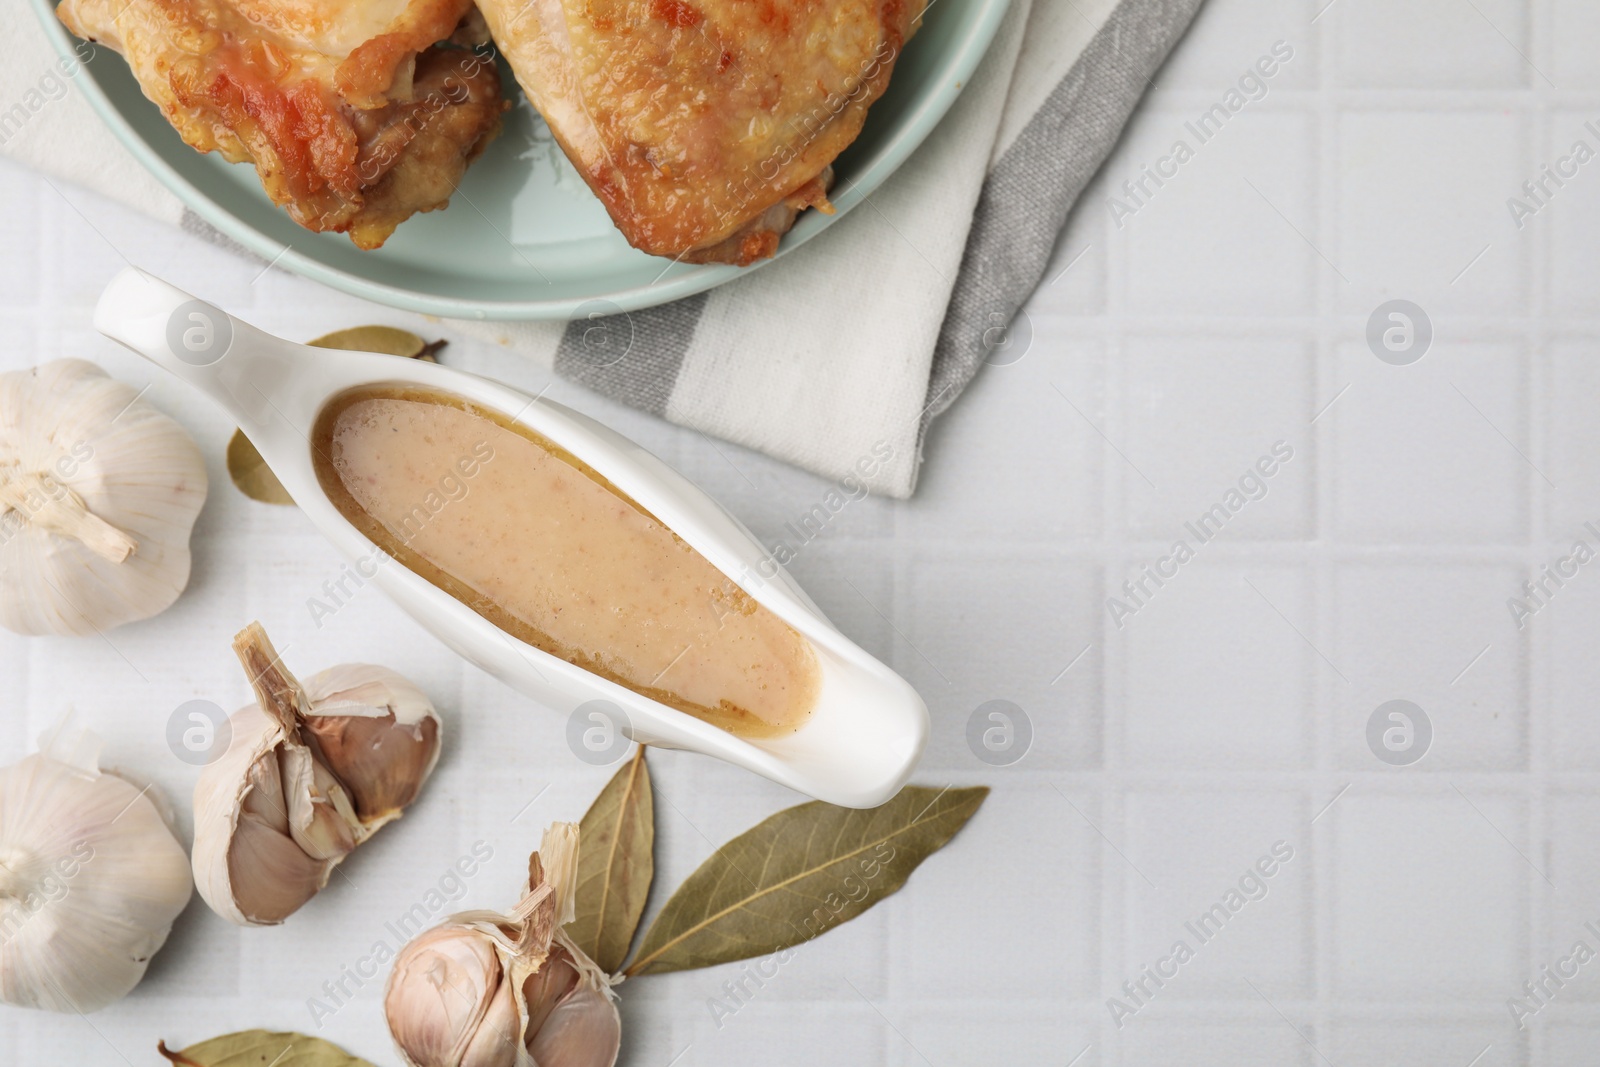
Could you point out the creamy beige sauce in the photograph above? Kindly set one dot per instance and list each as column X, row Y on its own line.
column 548, row 550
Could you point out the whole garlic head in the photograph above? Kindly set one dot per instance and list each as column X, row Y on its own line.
column 310, row 773
column 98, row 494
column 91, row 879
column 490, row 990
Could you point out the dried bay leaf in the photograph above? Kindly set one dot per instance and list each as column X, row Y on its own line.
column 251, row 473
column 262, row 1048
column 798, row 874
column 390, row 340
column 245, row 465
column 616, row 863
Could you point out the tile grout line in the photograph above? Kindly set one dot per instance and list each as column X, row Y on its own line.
column 1114, row 879
column 1324, row 714
column 1538, row 378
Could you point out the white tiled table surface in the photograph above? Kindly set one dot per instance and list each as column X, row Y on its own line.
column 1227, row 714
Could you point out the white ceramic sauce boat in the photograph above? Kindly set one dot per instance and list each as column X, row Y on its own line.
column 869, row 726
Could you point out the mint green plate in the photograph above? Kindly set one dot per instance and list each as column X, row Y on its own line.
column 524, row 239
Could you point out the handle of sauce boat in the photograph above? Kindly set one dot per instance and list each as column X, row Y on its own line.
column 242, row 368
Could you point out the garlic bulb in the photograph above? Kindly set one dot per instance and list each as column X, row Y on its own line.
column 91, row 879
column 491, row 990
column 98, row 494
column 310, row 773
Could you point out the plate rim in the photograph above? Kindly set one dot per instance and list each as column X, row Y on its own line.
column 925, row 114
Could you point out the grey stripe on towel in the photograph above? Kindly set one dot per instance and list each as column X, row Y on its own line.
column 1028, row 193
column 633, row 357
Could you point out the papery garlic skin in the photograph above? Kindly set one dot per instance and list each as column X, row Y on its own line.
column 491, row 990
column 91, row 880
column 310, row 773
column 99, row 492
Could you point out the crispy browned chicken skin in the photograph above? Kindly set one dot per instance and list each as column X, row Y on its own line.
column 354, row 115
column 704, row 125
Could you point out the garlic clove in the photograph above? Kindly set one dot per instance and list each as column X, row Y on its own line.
column 247, row 865
column 262, row 799
column 242, row 788
column 495, row 1043
column 382, row 763
column 321, row 820
column 442, row 988
column 544, row 989
column 583, row 1030
column 377, row 731
column 275, row 878
column 269, row 876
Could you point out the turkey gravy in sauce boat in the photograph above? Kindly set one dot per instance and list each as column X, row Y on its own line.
column 548, row 550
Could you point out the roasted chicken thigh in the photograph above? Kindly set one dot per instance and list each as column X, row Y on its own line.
column 356, row 114
column 704, row 125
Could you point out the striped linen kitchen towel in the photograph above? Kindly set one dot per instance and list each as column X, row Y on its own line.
column 852, row 344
